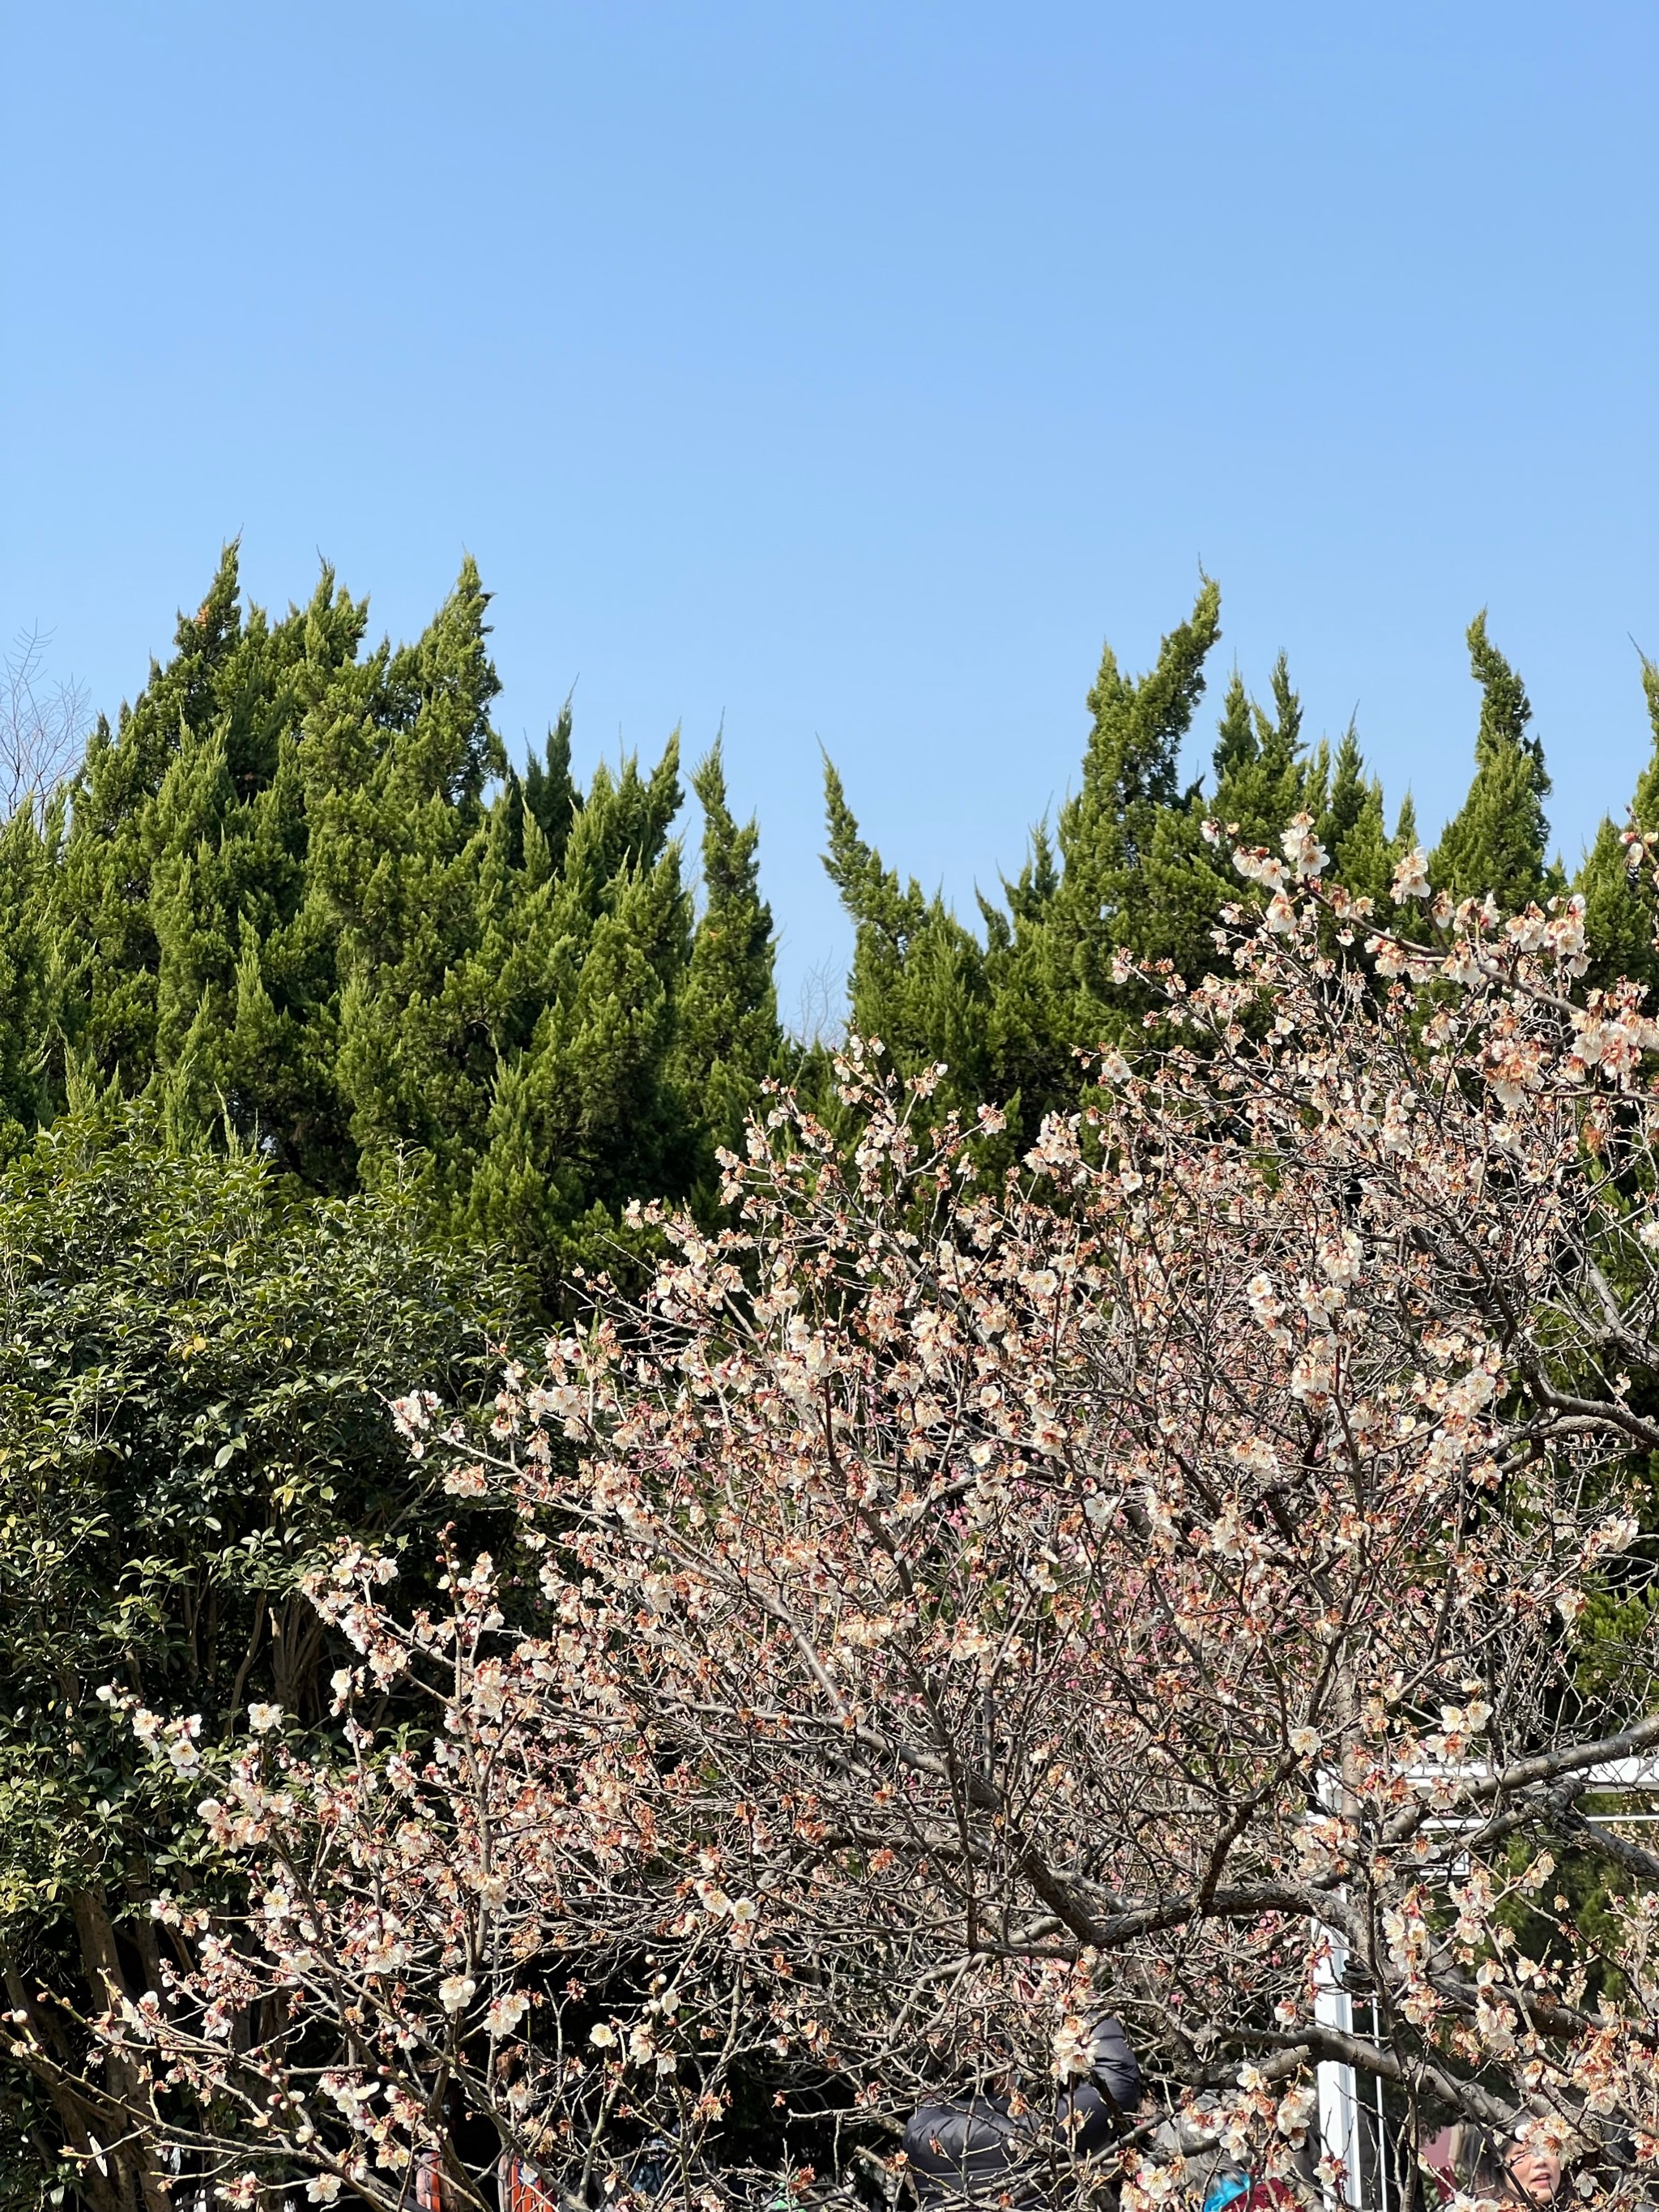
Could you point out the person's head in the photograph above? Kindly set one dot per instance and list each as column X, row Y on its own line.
column 1533, row 2169
column 1524, row 2172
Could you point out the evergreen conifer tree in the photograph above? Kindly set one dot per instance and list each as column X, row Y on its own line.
column 1263, row 777
column 1009, row 1017
column 1497, row 841
column 1131, row 871
column 586, row 1113
column 1620, row 910
column 729, row 1038
column 1028, row 1048
column 1344, row 791
column 1108, row 832
column 918, row 980
column 298, row 891
column 28, row 848
column 1261, row 769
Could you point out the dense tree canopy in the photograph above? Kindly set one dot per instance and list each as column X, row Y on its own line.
column 1129, row 876
column 194, row 1370
column 299, row 891
column 333, row 1042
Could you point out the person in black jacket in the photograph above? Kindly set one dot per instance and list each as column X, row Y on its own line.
column 975, row 2150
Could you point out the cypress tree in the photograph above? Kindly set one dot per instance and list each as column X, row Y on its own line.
column 550, row 796
column 397, row 858
column 1028, row 1048
column 1131, row 872
column 1344, row 793
column 918, row 979
column 1620, row 910
column 586, row 1114
column 1107, row 831
column 1352, row 827
column 174, row 911
column 1496, row 841
column 27, row 852
column 1236, row 744
column 1261, row 770
column 298, row 892
column 105, row 927
column 729, row 1038
column 1263, row 777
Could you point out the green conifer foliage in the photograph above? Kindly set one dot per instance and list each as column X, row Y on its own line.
column 1261, row 770
column 587, row 1111
column 1620, row 910
column 918, row 980
column 27, row 850
column 1497, row 841
column 1131, row 871
column 1009, row 1017
column 1345, row 796
column 1029, row 1050
column 1236, row 744
column 551, row 799
column 1109, row 831
column 1263, row 777
column 299, row 892
column 729, row 1038
column 105, row 928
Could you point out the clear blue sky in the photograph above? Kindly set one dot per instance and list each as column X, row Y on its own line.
column 849, row 371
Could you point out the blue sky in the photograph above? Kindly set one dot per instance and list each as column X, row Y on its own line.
column 849, row 371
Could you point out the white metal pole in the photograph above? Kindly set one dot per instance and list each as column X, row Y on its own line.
column 1339, row 2095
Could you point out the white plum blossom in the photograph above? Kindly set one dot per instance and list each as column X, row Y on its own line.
column 1411, row 877
column 504, row 2013
column 1303, row 850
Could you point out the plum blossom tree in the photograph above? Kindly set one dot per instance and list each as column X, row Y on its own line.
column 1200, row 1562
